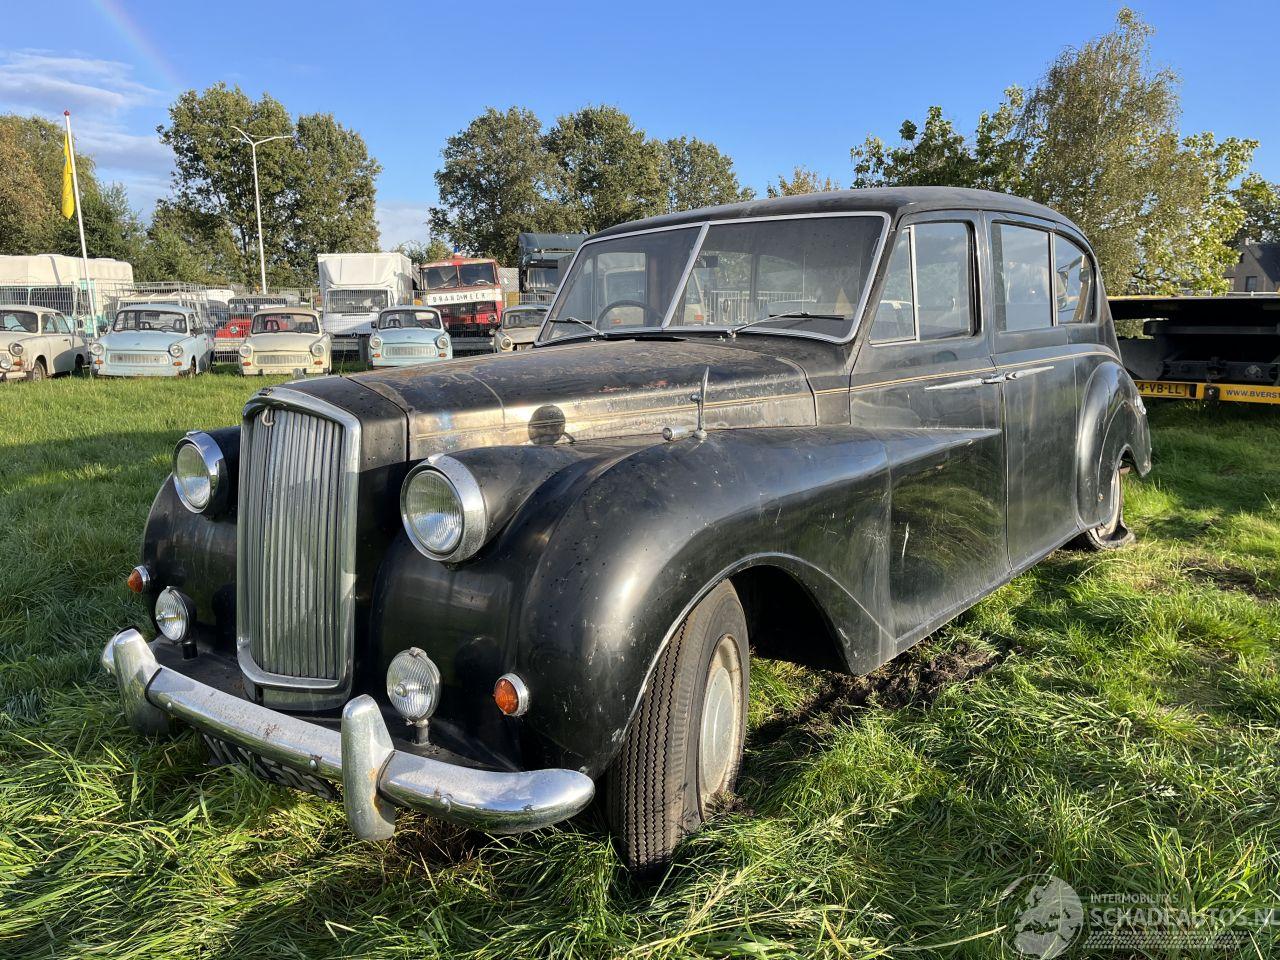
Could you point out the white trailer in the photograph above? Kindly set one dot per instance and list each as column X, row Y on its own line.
column 354, row 287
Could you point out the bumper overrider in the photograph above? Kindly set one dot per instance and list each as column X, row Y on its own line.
column 376, row 778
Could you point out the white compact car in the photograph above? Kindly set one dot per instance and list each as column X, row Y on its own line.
column 37, row 342
column 153, row 340
column 520, row 326
column 286, row 340
column 407, row 335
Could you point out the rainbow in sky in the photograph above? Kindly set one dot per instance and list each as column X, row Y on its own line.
column 147, row 52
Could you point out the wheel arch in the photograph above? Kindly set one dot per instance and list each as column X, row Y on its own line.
column 1112, row 430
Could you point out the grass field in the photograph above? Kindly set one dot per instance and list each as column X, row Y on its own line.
column 1112, row 719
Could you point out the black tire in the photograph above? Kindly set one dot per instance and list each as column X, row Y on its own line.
column 38, row 371
column 1111, row 534
column 81, row 367
column 672, row 765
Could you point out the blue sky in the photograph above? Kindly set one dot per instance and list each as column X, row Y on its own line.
column 773, row 86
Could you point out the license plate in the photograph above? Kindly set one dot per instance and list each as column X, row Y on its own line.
column 1162, row 388
column 223, row 752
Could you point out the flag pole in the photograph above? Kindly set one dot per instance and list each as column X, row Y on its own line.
column 84, row 250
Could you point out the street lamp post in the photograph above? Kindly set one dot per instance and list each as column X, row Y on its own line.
column 257, row 197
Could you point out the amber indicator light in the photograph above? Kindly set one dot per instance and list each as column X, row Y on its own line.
column 506, row 697
column 134, row 582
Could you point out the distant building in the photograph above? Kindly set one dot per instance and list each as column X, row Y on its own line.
column 1258, row 270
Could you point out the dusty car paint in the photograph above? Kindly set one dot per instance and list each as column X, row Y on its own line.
column 883, row 487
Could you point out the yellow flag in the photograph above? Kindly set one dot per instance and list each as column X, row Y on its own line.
column 68, row 189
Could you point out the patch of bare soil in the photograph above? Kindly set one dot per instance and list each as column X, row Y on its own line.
column 916, row 677
column 1227, row 577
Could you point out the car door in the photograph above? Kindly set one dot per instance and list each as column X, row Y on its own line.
column 1038, row 374
column 61, row 347
column 926, row 375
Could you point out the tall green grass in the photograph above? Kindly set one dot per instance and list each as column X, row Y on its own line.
column 1113, row 719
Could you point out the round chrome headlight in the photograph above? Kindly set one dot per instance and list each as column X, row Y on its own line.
column 245, row 351
column 16, row 349
column 175, row 350
column 505, row 342
column 442, row 342
column 375, row 342
column 317, row 349
column 200, row 473
column 413, row 685
column 443, row 510
column 5, row 362
column 96, row 349
column 174, row 614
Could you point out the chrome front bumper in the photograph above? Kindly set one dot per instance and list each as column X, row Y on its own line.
column 376, row 778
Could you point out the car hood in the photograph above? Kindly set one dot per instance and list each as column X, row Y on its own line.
column 12, row 336
column 591, row 391
column 283, row 342
column 523, row 334
column 140, row 340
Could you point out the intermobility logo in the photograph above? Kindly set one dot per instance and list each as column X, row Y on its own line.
column 1043, row 917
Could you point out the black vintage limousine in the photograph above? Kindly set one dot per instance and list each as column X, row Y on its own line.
column 815, row 427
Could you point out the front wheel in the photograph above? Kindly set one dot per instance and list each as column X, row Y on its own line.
column 684, row 746
column 1111, row 534
column 38, row 372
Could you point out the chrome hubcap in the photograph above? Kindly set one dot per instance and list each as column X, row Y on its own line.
column 721, row 719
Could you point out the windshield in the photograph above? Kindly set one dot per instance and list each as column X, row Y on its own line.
column 284, row 323
column 447, row 276
column 808, row 272
column 514, row 318
column 19, row 321
column 160, row 320
column 409, row 320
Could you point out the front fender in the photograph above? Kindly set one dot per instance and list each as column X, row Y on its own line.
column 581, row 590
column 1113, row 427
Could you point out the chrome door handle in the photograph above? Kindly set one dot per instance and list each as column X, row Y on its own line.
column 1028, row 372
column 998, row 378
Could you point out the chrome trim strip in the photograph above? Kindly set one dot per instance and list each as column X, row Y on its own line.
column 494, row 801
column 344, row 510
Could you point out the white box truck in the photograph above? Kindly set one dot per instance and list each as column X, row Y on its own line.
column 354, row 287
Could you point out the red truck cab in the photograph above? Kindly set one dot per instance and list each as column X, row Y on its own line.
column 469, row 297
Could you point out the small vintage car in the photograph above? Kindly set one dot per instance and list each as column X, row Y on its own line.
column 480, row 589
column 38, row 342
column 286, row 340
column 406, row 335
column 153, row 340
column 519, row 328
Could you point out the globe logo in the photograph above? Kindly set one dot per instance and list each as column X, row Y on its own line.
column 1042, row 915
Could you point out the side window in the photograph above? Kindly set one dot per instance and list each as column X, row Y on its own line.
column 928, row 290
column 944, row 280
column 1073, row 282
column 1020, row 258
column 895, row 313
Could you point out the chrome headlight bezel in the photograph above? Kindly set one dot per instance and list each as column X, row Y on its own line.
column 375, row 342
column 216, row 473
column 175, row 350
column 245, row 351
column 317, row 349
column 16, row 348
column 97, row 349
column 442, row 342
column 470, row 505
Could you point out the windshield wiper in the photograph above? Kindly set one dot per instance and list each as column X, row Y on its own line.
column 790, row 315
column 591, row 327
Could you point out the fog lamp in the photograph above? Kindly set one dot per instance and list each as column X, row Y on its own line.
column 413, row 685
column 174, row 614
column 5, row 362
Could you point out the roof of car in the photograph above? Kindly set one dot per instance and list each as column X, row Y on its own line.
column 409, row 306
column 287, row 308
column 890, row 200
column 156, row 305
column 29, row 307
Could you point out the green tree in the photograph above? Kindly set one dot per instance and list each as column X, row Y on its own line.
column 181, row 244
column 496, row 181
column 1259, row 200
column 611, row 171
column 429, row 252
column 697, row 175
column 317, row 183
column 802, row 180
column 31, row 221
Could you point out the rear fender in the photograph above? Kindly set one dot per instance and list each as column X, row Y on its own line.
column 1113, row 428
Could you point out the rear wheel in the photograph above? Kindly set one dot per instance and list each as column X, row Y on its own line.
column 1111, row 534
column 684, row 746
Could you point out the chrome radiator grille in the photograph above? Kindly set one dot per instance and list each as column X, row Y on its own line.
column 280, row 359
column 295, row 556
column 138, row 358
column 411, row 350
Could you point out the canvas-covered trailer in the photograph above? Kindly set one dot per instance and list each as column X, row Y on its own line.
column 1203, row 347
column 57, row 281
column 354, row 287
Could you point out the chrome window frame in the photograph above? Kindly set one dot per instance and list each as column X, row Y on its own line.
column 854, row 325
column 283, row 397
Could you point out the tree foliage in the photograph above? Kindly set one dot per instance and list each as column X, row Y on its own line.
column 31, row 221
column 1259, row 202
column 1097, row 139
column 802, row 180
column 182, row 244
column 433, row 250
column 504, row 175
column 317, row 184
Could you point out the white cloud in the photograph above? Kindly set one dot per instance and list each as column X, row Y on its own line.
column 112, row 147
column 38, row 82
column 402, row 221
